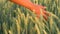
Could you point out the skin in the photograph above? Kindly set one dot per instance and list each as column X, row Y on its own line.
column 37, row 9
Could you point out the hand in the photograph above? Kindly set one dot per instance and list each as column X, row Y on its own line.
column 40, row 10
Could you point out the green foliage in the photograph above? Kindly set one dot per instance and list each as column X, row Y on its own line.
column 15, row 19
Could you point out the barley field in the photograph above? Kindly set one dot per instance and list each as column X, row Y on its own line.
column 15, row 19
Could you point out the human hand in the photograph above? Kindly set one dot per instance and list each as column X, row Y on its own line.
column 40, row 10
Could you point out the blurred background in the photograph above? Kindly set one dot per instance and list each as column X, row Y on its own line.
column 15, row 19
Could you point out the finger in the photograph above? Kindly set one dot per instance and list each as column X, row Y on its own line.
column 43, row 7
column 45, row 17
column 46, row 13
column 40, row 6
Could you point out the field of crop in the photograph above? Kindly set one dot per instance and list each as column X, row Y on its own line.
column 15, row 19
